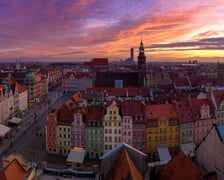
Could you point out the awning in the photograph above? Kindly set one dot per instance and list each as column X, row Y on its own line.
column 76, row 156
column 164, row 154
column 4, row 130
column 15, row 120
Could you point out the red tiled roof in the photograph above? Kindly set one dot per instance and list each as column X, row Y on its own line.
column 21, row 88
column 181, row 82
column 65, row 113
column 218, row 96
column 184, row 111
column 180, row 167
column 94, row 113
column 131, row 107
column 196, row 104
column 155, row 111
column 76, row 75
column 124, row 168
column 37, row 77
column 13, row 171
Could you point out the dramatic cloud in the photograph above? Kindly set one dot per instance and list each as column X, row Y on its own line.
column 84, row 29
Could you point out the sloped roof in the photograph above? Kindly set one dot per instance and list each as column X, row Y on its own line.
column 124, row 168
column 4, row 130
column 13, row 171
column 180, row 167
column 76, row 156
column 181, row 81
column 65, row 115
column 94, row 113
column 184, row 111
column 196, row 104
column 21, row 88
column 155, row 111
column 131, row 107
column 218, row 96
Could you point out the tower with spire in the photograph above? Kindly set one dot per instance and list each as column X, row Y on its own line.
column 142, row 66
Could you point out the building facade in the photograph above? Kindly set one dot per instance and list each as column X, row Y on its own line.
column 112, row 124
column 162, row 127
column 51, row 133
column 94, row 132
column 73, row 81
column 78, row 131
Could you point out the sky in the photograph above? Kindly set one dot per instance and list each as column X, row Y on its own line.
column 171, row 30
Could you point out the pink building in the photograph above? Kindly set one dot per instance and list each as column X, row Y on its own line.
column 78, row 131
column 204, row 117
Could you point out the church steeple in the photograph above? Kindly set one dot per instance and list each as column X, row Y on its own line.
column 141, row 65
column 141, row 50
column 141, row 56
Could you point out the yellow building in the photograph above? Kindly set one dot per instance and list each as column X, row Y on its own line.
column 162, row 127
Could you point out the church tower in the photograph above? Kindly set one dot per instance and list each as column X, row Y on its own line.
column 142, row 66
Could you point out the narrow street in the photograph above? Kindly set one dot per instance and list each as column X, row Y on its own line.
column 28, row 138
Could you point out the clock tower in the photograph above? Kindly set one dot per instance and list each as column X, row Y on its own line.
column 141, row 66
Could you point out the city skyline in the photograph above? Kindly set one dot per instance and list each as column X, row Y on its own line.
column 84, row 29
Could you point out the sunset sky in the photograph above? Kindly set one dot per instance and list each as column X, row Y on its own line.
column 84, row 29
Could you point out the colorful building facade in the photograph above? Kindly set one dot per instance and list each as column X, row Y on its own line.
column 162, row 127
column 94, row 132
column 78, row 131
column 204, row 118
column 112, row 126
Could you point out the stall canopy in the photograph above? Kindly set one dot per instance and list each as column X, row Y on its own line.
column 76, row 156
column 15, row 120
column 164, row 154
column 4, row 130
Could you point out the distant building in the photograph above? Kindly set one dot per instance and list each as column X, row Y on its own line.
column 35, row 83
column 73, row 82
column 108, row 79
column 54, row 77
